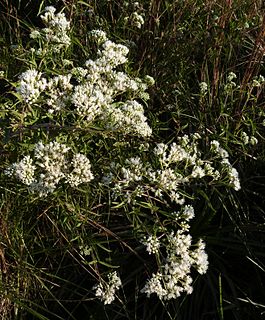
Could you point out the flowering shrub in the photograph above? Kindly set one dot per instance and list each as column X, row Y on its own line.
column 87, row 150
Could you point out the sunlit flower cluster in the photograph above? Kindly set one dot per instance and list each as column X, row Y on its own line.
column 174, row 274
column 49, row 166
column 231, row 172
column 31, row 85
column 56, row 33
column 92, row 92
column 23, row 170
column 180, row 164
column 129, row 118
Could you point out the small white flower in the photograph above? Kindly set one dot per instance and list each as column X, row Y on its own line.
column 231, row 76
column 203, row 88
column 137, row 20
column 50, row 9
column 99, row 36
column 245, row 138
column 35, row 34
column 188, row 212
column 106, row 290
column 253, row 140
column 152, row 244
column 197, row 172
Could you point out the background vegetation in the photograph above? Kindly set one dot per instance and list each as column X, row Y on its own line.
column 181, row 44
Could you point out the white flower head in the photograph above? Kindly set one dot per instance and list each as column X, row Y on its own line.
column 137, row 20
column 253, row 140
column 58, row 26
column 188, row 212
column 203, row 88
column 81, row 172
column 106, row 290
column 99, row 36
column 31, row 85
column 245, row 138
column 152, row 244
column 23, row 170
column 35, row 34
column 231, row 76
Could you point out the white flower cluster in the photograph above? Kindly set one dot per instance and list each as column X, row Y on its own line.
column 248, row 139
column 112, row 54
column 180, row 164
column 258, row 81
column 174, row 275
column 188, row 212
column 174, row 270
column 57, row 92
column 135, row 171
column 232, row 174
column 106, row 290
column 98, row 87
column 130, row 118
column 230, row 84
column 99, row 36
column 203, row 88
column 31, row 85
column 49, row 166
column 23, row 170
column 81, row 171
column 152, row 244
column 135, row 19
column 56, row 33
